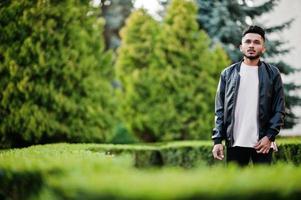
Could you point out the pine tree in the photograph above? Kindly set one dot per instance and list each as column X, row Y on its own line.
column 135, row 56
column 224, row 21
column 54, row 72
column 169, row 88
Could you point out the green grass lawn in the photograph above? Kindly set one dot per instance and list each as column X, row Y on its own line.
column 104, row 171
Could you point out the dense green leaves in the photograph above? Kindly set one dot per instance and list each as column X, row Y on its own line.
column 168, row 74
column 105, row 171
column 55, row 76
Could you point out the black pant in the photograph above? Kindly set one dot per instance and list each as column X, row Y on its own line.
column 243, row 155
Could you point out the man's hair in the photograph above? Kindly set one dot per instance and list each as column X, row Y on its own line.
column 255, row 29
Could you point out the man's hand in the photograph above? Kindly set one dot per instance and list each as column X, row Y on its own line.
column 263, row 145
column 218, row 151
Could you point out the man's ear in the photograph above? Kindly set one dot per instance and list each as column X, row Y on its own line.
column 264, row 49
column 240, row 48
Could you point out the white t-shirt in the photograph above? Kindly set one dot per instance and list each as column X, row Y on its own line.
column 246, row 110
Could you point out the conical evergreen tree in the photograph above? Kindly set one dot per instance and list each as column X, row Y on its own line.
column 54, row 73
column 138, row 43
column 171, row 96
column 135, row 56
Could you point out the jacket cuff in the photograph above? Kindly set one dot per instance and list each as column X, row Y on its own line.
column 217, row 141
column 271, row 134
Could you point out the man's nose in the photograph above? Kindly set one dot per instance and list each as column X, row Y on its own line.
column 251, row 44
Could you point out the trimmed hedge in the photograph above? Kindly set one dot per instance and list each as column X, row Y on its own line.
column 98, row 171
column 289, row 151
column 192, row 153
column 185, row 154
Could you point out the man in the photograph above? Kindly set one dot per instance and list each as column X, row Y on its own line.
column 249, row 105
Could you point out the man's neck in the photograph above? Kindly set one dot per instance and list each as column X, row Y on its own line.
column 251, row 62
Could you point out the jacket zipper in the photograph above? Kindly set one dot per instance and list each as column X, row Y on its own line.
column 234, row 106
column 258, row 106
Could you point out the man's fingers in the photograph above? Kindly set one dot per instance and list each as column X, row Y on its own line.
column 263, row 150
column 218, row 155
column 221, row 154
column 258, row 147
column 260, row 151
column 257, row 144
column 214, row 154
column 266, row 150
column 219, row 158
column 218, row 151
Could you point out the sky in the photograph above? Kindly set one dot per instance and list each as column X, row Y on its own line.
column 152, row 6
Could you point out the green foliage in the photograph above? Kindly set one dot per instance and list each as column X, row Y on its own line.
column 289, row 151
column 55, row 75
column 138, row 43
column 94, row 171
column 190, row 154
column 169, row 75
column 134, row 58
column 121, row 135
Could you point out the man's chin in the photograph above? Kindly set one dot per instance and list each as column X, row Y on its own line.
column 252, row 57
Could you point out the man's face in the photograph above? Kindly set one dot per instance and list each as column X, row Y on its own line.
column 252, row 46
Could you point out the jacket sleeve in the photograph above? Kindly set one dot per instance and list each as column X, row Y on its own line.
column 218, row 130
column 278, row 109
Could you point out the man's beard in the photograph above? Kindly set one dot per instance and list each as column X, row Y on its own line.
column 253, row 57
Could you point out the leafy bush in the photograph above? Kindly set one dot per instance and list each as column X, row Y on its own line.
column 93, row 171
column 55, row 76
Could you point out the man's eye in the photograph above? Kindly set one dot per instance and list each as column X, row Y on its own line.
column 247, row 41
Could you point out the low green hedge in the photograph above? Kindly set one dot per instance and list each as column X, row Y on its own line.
column 289, row 151
column 185, row 154
column 192, row 153
column 96, row 171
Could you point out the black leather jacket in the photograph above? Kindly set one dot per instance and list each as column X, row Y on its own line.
column 271, row 103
